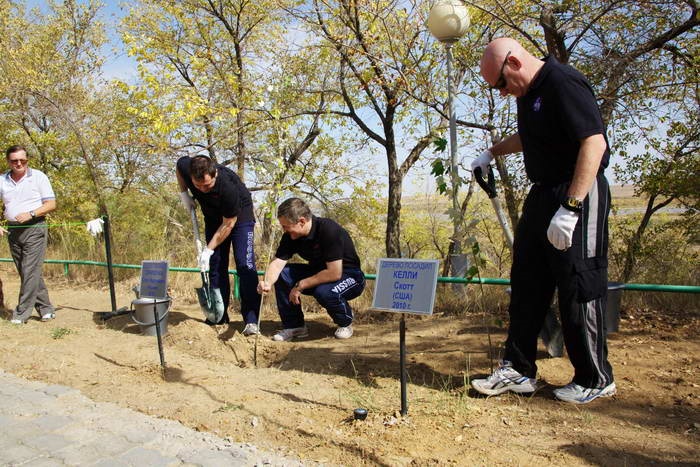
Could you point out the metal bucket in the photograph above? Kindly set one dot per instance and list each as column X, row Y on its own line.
column 143, row 315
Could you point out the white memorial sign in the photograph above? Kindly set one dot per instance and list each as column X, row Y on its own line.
column 405, row 285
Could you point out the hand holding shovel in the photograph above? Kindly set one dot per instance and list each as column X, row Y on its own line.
column 210, row 300
column 203, row 260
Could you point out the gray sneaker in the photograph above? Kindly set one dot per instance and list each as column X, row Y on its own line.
column 576, row 394
column 290, row 333
column 251, row 329
column 505, row 378
column 344, row 332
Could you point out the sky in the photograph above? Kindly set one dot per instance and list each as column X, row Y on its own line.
column 118, row 65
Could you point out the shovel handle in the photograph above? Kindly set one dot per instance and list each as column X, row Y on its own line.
column 489, row 186
column 503, row 220
column 195, row 229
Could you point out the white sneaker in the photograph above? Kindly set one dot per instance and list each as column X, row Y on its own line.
column 48, row 316
column 576, row 394
column 344, row 332
column 290, row 333
column 16, row 321
column 251, row 329
column 505, row 378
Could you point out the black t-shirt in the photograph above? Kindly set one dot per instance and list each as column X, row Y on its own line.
column 327, row 241
column 558, row 111
column 229, row 197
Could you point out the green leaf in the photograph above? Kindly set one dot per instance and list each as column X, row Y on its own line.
column 440, row 144
column 438, row 168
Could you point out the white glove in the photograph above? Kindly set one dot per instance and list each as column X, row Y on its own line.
column 483, row 161
column 187, row 200
column 203, row 259
column 95, row 226
column 561, row 228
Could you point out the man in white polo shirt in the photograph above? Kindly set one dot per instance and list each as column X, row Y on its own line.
column 27, row 197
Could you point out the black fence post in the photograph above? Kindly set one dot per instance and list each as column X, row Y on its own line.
column 110, row 271
column 402, row 364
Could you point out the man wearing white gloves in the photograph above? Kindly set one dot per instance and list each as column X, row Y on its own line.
column 561, row 241
column 228, row 220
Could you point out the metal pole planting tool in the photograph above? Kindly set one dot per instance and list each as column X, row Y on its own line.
column 489, row 186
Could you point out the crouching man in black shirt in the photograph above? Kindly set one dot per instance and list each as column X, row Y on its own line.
column 332, row 275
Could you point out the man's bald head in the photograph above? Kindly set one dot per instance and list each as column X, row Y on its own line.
column 505, row 59
column 496, row 51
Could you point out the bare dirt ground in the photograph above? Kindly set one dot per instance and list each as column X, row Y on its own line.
column 301, row 394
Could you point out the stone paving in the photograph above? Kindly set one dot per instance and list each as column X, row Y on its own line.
column 51, row 425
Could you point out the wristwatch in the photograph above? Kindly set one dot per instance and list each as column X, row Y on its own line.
column 297, row 286
column 33, row 214
column 572, row 204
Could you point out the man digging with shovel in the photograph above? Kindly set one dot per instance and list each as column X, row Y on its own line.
column 228, row 220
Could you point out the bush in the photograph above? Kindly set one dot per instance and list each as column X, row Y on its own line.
column 667, row 255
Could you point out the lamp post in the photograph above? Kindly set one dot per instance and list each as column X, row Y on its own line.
column 448, row 21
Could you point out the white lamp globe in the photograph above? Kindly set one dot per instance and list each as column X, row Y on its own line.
column 448, row 20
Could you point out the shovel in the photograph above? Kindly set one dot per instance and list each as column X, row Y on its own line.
column 210, row 300
column 551, row 329
column 490, row 188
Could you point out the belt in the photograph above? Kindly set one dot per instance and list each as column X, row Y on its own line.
column 36, row 220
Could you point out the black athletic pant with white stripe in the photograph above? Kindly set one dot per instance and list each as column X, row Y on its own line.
column 579, row 274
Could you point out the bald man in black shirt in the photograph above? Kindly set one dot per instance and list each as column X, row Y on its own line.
column 561, row 241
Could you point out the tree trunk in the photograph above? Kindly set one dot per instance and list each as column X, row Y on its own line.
column 635, row 242
column 507, row 183
column 393, row 224
column 240, row 146
column 508, row 192
column 211, row 150
column 266, row 229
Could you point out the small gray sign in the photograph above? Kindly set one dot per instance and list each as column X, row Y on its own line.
column 405, row 285
column 154, row 279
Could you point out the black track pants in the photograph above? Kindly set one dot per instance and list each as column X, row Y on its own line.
column 579, row 274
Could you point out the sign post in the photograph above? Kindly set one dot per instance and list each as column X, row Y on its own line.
column 405, row 286
column 154, row 284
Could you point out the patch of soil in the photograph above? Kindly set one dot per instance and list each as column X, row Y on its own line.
column 301, row 394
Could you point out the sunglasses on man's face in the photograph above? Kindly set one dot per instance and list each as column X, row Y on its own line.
column 17, row 161
column 501, row 81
